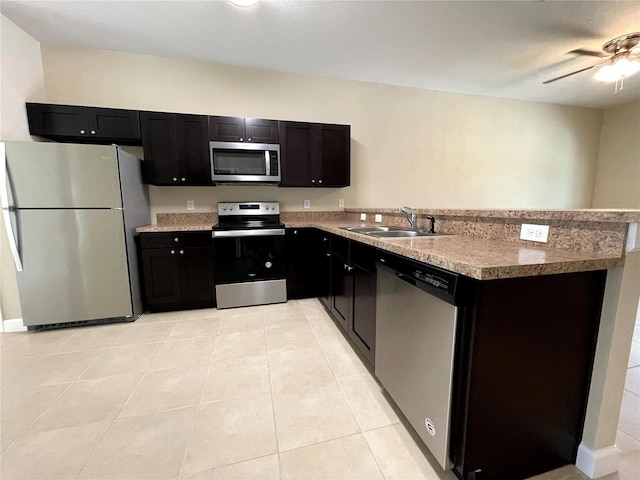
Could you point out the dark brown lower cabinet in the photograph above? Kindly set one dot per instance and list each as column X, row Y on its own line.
column 305, row 259
column 177, row 270
column 525, row 352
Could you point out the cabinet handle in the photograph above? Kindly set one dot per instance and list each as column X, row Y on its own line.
column 176, row 239
column 175, row 179
column 82, row 132
column 173, row 252
column 319, row 181
column 181, row 252
column 93, row 132
column 183, row 179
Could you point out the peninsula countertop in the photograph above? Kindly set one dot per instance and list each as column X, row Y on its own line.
column 479, row 258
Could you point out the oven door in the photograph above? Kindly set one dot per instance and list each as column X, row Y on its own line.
column 249, row 267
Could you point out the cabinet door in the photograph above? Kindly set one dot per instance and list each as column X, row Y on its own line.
column 196, row 276
column 341, row 290
column 192, row 138
column 161, row 267
column 298, row 148
column 335, row 153
column 116, row 124
column 160, row 166
column 57, row 120
column 304, row 257
column 362, row 328
column 324, row 268
column 259, row 130
column 227, row 129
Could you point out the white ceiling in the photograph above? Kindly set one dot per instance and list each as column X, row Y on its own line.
column 500, row 48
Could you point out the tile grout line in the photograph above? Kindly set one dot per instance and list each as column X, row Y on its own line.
column 273, row 406
column 99, row 443
column 198, row 406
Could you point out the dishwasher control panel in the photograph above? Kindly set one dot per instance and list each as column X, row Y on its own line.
column 434, row 280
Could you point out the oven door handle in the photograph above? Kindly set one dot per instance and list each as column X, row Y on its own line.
column 260, row 232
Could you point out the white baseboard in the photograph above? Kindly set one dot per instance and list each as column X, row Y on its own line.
column 598, row 463
column 13, row 325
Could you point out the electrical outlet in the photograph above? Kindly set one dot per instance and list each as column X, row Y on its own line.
column 307, row 204
column 363, row 216
column 341, row 202
column 378, row 217
column 534, row 233
column 190, row 205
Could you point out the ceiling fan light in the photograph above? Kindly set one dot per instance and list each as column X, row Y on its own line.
column 617, row 70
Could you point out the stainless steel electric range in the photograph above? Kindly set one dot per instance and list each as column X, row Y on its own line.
column 249, row 259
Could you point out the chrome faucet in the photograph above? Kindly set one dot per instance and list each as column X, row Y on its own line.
column 411, row 216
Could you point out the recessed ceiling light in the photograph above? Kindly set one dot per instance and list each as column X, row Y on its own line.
column 243, row 3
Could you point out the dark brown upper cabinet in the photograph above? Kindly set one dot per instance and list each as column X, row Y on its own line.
column 239, row 129
column 315, row 154
column 176, row 149
column 84, row 124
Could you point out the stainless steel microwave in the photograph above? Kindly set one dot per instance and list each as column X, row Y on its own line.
column 237, row 162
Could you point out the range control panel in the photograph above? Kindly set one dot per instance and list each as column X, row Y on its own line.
column 248, row 208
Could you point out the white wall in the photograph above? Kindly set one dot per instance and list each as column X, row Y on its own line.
column 618, row 169
column 409, row 146
column 21, row 79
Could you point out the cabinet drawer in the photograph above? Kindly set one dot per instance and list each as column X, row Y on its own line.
column 175, row 239
column 363, row 256
column 340, row 246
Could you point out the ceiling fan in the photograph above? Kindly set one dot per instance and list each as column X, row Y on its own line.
column 622, row 59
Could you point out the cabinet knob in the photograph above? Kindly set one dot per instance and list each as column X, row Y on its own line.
column 175, row 179
column 248, row 139
column 82, row 132
column 328, row 254
column 176, row 239
column 349, row 268
column 181, row 252
column 93, row 132
column 173, row 252
column 183, row 179
column 319, row 181
column 325, row 239
column 241, row 139
column 313, row 181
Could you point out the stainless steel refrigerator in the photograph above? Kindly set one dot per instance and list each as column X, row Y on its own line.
column 70, row 212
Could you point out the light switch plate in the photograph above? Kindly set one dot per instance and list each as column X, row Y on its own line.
column 534, row 233
column 341, row 202
column 378, row 217
column 191, row 205
column 307, row 204
column 363, row 216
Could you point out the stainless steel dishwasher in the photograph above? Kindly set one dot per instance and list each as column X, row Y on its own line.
column 416, row 320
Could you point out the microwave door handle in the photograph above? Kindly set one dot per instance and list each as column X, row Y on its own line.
column 268, row 162
column 5, row 184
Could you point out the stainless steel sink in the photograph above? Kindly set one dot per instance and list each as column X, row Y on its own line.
column 405, row 234
column 384, row 231
column 374, row 229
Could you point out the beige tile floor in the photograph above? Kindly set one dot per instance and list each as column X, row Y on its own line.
column 272, row 392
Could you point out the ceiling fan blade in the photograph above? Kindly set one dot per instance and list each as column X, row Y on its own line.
column 572, row 73
column 590, row 53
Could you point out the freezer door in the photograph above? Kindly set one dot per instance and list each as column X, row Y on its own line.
column 58, row 175
column 74, row 266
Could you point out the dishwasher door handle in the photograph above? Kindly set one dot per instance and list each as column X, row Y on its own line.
column 406, row 278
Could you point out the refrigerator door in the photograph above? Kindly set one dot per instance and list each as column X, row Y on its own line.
column 58, row 175
column 74, row 266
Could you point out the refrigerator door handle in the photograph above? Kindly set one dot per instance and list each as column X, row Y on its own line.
column 6, row 208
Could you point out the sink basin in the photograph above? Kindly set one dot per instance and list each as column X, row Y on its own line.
column 375, row 229
column 405, row 234
column 391, row 232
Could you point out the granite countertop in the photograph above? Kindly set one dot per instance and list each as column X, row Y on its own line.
column 479, row 258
